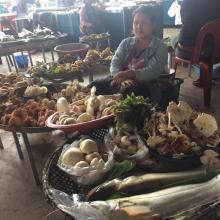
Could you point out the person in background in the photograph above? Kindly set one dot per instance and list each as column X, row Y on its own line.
column 90, row 21
column 138, row 61
column 194, row 15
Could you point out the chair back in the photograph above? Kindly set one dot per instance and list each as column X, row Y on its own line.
column 210, row 29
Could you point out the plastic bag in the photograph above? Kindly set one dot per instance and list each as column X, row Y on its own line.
column 87, row 175
column 110, row 143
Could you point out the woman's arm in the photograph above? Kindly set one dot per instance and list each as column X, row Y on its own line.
column 154, row 66
column 118, row 59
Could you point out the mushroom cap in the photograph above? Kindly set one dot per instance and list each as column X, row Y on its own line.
column 84, row 118
column 179, row 113
column 206, row 124
column 88, row 146
column 72, row 156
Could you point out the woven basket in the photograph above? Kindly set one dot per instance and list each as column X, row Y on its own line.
column 54, row 177
column 82, row 127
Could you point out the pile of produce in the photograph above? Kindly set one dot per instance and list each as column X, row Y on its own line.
column 13, row 80
column 42, row 69
column 16, row 113
column 94, row 57
column 7, row 38
column 85, row 161
column 181, row 132
column 94, row 37
column 126, row 191
column 73, row 92
column 86, row 109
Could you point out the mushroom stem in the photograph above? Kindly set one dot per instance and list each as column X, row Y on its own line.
column 169, row 120
column 154, row 129
column 178, row 128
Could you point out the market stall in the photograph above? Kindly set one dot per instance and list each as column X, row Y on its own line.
column 159, row 158
column 115, row 19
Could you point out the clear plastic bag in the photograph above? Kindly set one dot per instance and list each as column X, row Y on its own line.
column 91, row 174
column 110, row 143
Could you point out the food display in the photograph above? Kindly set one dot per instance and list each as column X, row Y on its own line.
column 140, row 135
column 32, row 91
column 181, row 132
column 7, row 38
column 13, row 80
column 28, row 106
column 37, row 33
column 16, row 113
column 94, row 37
column 55, row 69
column 85, row 161
column 73, row 92
column 94, row 57
column 84, row 110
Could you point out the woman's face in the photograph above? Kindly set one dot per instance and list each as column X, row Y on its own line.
column 142, row 26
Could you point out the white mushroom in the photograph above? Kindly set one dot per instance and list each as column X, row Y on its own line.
column 90, row 157
column 101, row 99
column 69, row 121
column 62, row 105
column 84, row 118
column 153, row 141
column 92, row 102
column 99, row 163
column 72, row 156
column 125, row 141
column 209, row 159
column 179, row 113
column 82, row 164
column 88, row 146
column 206, row 124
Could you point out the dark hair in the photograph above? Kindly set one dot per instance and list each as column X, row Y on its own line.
column 146, row 10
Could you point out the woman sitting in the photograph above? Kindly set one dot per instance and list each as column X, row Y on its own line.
column 90, row 22
column 138, row 61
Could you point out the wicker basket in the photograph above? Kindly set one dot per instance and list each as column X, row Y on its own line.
column 82, row 127
column 54, row 177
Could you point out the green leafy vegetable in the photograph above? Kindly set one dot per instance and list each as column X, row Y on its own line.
column 133, row 111
column 117, row 195
column 121, row 168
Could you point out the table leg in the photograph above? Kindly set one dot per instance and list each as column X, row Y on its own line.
column 31, row 159
column 31, row 61
column 51, row 50
column 43, row 52
column 90, row 76
column 1, row 144
column 16, row 68
column 18, row 146
column 109, row 45
column 9, row 67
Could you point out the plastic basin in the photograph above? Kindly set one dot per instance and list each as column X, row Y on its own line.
column 75, row 49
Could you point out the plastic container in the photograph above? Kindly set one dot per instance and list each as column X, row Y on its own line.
column 170, row 92
column 21, row 60
column 76, row 49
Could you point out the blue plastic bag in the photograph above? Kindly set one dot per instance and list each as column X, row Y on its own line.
column 21, row 60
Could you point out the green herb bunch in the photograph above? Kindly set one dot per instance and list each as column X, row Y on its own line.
column 133, row 111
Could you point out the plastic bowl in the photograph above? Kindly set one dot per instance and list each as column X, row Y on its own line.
column 186, row 163
column 81, row 127
column 77, row 49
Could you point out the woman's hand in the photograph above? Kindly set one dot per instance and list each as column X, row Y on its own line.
column 124, row 75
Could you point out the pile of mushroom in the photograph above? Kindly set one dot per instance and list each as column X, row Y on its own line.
column 181, row 131
column 86, row 109
column 85, row 156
